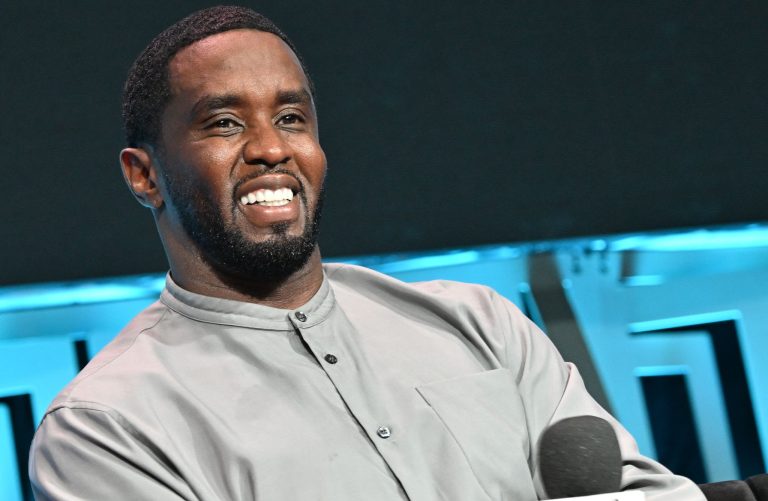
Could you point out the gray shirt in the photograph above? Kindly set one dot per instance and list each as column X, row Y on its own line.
column 375, row 389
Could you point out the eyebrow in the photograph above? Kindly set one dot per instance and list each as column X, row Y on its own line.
column 209, row 103
column 212, row 102
column 298, row 96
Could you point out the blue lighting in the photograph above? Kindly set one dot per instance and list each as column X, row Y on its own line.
column 703, row 239
column 29, row 297
column 398, row 263
column 53, row 295
column 434, row 261
column 661, row 370
column 39, row 329
column 671, row 323
column 643, row 280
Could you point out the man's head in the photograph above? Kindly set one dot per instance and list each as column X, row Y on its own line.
column 147, row 89
column 223, row 145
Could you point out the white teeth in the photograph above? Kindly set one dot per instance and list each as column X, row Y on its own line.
column 269, row 198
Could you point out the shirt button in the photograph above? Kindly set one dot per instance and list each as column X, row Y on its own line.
column 331, row 359
column 300, row 316
column 384, row 432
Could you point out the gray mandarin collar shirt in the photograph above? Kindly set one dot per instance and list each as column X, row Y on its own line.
column 373, row 390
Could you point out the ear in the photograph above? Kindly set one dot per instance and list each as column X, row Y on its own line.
column 140, row 173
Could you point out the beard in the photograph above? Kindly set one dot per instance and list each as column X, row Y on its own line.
column 228, row 251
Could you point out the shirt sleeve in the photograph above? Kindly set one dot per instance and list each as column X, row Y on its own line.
column 553, row 390
column 86, row 453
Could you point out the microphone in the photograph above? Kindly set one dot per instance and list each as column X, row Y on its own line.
column 579, row 458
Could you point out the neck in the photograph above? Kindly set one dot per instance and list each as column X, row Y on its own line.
column 287, row 293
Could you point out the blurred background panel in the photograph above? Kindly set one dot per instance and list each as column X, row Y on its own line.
column 600, row 164
column 668, row 332
column 445, row 124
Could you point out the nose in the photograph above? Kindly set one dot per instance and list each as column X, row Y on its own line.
column 266, row 146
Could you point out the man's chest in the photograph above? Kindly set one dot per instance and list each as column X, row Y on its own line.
column 338, row 413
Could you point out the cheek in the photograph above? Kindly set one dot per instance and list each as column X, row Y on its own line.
column 208, row 169
column 217, row 158
column 312, row 160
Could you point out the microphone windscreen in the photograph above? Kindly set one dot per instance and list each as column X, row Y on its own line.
column 759, row 486
column 580, row 456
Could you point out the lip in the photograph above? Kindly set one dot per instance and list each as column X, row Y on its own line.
column 268, row 182
column 266, row 216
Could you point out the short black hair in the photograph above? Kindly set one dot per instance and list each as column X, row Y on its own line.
column 147, row 89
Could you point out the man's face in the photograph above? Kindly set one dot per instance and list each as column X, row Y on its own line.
column 239, row 153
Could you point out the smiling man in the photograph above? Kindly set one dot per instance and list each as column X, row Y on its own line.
column 234, row 169
column 263, row 374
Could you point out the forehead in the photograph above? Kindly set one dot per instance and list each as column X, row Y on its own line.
column 235, row 60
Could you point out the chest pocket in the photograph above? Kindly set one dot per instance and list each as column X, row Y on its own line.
column 484, row 414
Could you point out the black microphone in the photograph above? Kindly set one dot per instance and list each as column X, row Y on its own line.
column 580, row 456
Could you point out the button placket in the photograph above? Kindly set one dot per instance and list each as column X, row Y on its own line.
column 325, row 341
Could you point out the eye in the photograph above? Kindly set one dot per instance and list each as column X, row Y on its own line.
column 222, row 126
column 290, row 119
column 223, row 123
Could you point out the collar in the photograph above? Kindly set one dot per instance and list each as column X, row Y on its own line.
column 242, row 314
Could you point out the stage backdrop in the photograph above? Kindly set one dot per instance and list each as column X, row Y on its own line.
column 445, row 124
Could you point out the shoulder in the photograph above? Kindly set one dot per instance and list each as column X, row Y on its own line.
column 360, row 287
column 365, row 280
column 479, row 313
column 110, row 373
column 89, row 451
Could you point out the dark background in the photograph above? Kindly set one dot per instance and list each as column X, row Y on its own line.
column 445, row 124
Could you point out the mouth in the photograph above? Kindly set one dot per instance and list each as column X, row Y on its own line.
column 270, row 199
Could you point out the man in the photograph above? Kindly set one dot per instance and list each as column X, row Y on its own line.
column 263, row 374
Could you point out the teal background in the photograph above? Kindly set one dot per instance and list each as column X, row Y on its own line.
column 612, row 290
